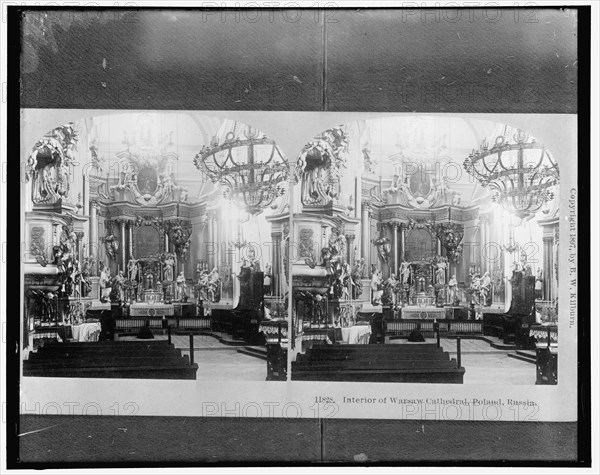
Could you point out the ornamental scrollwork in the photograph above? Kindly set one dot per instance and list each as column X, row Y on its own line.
column 48, row 165
column 320, row 166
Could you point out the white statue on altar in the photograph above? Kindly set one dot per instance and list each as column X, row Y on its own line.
column 486, row 287
column 440, row 273
column 132, row 268
column 405, row 272
column 181, row 286
column 104, row 283
column 452, row 284
column 376, row 287
column 168, row 269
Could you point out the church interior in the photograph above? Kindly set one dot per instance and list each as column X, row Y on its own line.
column 402, row 248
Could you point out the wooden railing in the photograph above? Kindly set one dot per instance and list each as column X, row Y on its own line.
column 451, row 327
column 133, row 325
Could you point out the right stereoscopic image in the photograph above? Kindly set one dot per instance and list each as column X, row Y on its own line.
column 425, row 251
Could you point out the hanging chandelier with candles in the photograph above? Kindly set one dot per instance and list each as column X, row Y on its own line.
column 249, row 166
column 521, row 173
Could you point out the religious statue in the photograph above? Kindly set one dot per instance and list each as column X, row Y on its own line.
column 356, row 275
column 111, row 245
column 390, row 287
column 376, row 287
column 440, row 273
column 320, row 163
column 181, row 287
column 452, row 284
column 169, row 262
column 203, row 285
column 48, row 165
column 180, row 237
column 59, row 259
column 475, row 289
column 150, row 280
column 337, row 244
column 214, row 283
column 267, row 280
column 539, row 284
column 405, row 273
column 104, row 282
column 86, row 269
column 342, row 282
column 117, row 293
column 132, row 268
column 486, row 287
column 384, row 248
column 517, row 274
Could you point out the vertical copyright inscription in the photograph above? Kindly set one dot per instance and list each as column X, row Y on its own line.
column 572, row 219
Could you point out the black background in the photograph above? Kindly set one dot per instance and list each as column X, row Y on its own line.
column 430, row 60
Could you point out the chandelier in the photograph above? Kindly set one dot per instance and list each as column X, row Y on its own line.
column 522, row 173
column 249, row 167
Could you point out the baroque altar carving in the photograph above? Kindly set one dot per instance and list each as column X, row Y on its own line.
column 49, row 163
column 147, row 170
column 320, row 165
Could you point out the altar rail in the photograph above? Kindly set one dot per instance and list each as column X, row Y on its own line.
column 447, row 327
column 133, row 325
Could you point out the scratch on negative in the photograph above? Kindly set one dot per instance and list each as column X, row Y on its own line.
column 38, row 430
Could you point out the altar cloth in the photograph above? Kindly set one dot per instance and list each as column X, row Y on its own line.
column 356, row 334
column 150, row 309
column 423, row 313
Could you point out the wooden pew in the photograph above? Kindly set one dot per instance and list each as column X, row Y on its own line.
column 139, row 359
column 419, row 363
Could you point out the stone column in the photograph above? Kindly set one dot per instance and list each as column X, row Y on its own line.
column 395, row 248
column 93, row 236
column 550, row 246
column 79, row 247
column 350, row 240
column 130, row 227
column 210, row 245
column 402, row 240
column 366, row 235
column 484, row 238
column 275, row 264
column 548, row 267
column 166, row 240
column 124, row 252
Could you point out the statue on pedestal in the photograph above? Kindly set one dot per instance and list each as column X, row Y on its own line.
column 452, row 284
column 539, row 284
column 376, row 287
column 169, row 262
column 405, row 273
column 356, row 275
column 486, row 288
column 181, row 287
column 390, row 287
column 104, row 283
column 320, row 163
column 440, row 273
column 117, row 293
column 132, row 268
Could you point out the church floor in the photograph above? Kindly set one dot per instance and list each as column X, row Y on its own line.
column 217, row 361
column 483, row 364
column 487, row 365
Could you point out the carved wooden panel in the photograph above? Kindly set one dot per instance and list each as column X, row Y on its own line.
column 307, row 244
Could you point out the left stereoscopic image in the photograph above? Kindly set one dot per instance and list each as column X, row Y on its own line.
column 153, row 242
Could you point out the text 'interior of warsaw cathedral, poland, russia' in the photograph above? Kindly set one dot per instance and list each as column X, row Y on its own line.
column 406, row 248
